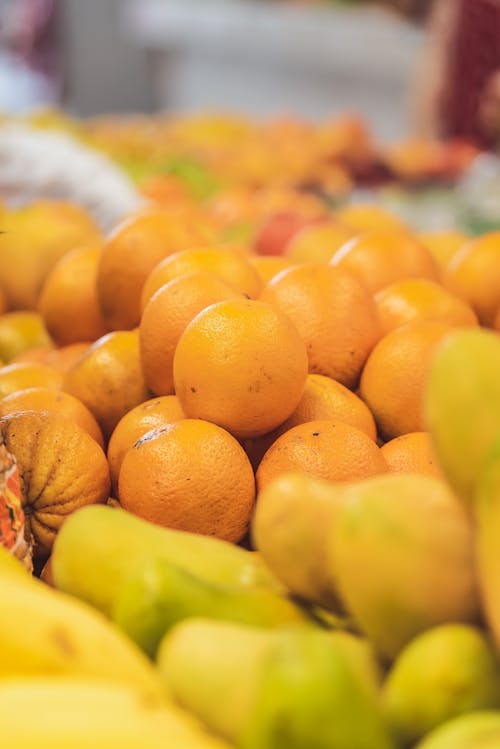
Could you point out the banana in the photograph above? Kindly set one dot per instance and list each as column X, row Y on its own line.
column 11, row 566
column 59, row 713
column 45, row 632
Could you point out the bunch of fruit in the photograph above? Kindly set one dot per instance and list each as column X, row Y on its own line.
column 203, row 156
column 297, row 440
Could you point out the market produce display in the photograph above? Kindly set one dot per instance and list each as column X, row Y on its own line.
column 250, row 459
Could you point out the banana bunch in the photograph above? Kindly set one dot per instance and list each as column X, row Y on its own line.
column 38, row 713
column 68, row 677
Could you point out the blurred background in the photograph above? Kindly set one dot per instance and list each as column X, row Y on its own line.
column 256, row 57
column 335, row 96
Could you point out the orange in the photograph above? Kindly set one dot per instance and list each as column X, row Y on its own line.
column 21, row 331
column 419, row 299
column 395, row 375
column 3, row 302
column 473, row 274
column 496, row 321
column 61, row 359
column 165, row 318
column 46, row 575
column 268, row 266
column 68, row 301
column 242, row 365
column 189, row 475
column 35, row 355
column 34, row 238
column 54, row 401
column 230, row 264
column 443, row 245
column 379, row 258
column 108, row 379
column 323, row 398
column 24, row 375
column 66, row 357
column 335, row 316
column 317, row 243
column 325, row 449
column 130, row 253
column 146, row 416
column 411, row 453
column 363, row 217
column 61, row 468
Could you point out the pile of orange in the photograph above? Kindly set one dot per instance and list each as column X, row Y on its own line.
column 179, row 373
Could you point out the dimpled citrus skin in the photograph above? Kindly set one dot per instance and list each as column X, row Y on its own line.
column 165, row 318
column 134, row 425
column 229, row 263
column 130, row 253
column 411, row 453
column 61, row 468
column 323, row 398
column 14, row 377
column 54, row 401
column 324, row 449
column 335, row 316
column 108, row 379
column 420, row 299
column 379, row 258
column 190, row 475
column 241, row 365
column 395, row 376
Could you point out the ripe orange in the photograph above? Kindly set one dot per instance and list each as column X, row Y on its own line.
column 61, row 359
column 473, row 274
column 53, row 401
column 24, row 375
column 411, row 453
column 68, row 302
column 190, row 475
column 231, row 264
column 165, row 318
column 146, row 416
column 3, row 302
column 419, row 299
column 21, row 331
column 443, row 245
column 323, row 398
column 363, row 217
column 268, row 266
column 317, row 243
column 66, row 357
column 395, row 375
column 242, row 365
column 35, row 236
column 130, row 254
column 46, row 575
column 325, row 449
column 61, row 468
column 35, row 355
column 108, row 379
column 379, row 258
column 496, row 321
column 335, row 316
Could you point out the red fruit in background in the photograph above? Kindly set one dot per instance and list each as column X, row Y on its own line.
column 277, row 230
